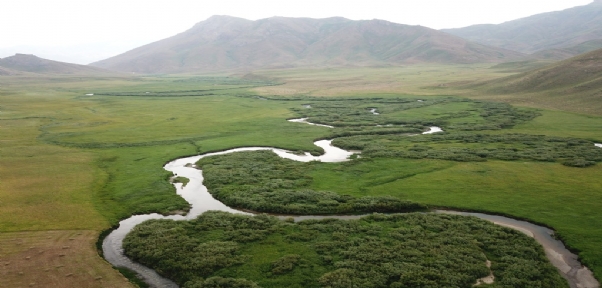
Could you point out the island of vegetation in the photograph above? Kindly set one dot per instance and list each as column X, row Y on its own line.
column 220, row 249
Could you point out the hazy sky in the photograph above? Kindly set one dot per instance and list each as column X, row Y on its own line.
column 83, row 31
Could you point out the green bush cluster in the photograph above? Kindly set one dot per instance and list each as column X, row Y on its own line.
column 474, row 147
column 180, row 179
column 220, row 282
column 497, row 116
column 261, row 181
column 397, row 250
column 356, row 112
column 285, row 264
column 347, row 113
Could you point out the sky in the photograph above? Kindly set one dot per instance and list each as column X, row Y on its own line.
column 84, row 31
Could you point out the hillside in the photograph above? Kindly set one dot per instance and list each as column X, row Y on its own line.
column 560, row 29
column 574, row 85
column 226, row 43
column 565, row 53
column 5, row 71
column 20, row 63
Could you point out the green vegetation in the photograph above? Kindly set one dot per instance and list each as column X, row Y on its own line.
column 477, row 147
column 398, row 250
column 261, row 181
column 459, row 114
column 100, row 157
column 182, row 180
column 380, row 175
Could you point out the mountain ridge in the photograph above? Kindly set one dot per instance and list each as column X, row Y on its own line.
column 28, row 63
column 552, row 30
column 223, row 43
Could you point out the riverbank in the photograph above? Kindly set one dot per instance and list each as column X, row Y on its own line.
column 200, row 199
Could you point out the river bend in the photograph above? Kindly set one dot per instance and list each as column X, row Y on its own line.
column 201, row 201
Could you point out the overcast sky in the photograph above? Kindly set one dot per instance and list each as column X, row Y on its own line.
column 82, row 31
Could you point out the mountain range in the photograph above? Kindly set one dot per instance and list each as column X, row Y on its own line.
column 26, row 63
column 553, row 30
column 224, row 43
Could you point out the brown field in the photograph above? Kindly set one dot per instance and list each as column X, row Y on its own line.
column 55, row 259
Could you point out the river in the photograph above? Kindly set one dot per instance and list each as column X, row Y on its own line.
column 201, row 200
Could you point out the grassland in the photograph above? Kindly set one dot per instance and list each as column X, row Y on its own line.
column 476, row 81
column 77, row 164
column 71, row 162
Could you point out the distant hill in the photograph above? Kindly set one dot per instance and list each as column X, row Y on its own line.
column 21, row 63
column 561, row 29
column 227, row 43
column 574, row 84
column 565, row 53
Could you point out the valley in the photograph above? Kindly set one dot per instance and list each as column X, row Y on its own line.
column 309, row 152
column 125, row 165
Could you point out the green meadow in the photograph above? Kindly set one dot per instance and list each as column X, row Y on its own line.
column 73, row 162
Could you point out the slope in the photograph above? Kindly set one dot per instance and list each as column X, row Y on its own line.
column 574, row 85
column 552, row 30
column 227, row 43
column 568, row 52
column 25, row 63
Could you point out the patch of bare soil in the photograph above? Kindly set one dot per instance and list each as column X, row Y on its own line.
column 55, row 259
column 488, row 279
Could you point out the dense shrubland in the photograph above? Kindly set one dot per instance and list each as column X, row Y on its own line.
column 453, row 113
column 387, row 134
column 401, row 250
column 477, row 147
column 261, row 181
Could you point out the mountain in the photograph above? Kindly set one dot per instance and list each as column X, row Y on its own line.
column 561, row 29
column 574, row 84
column 25, row 63
column 227, row 43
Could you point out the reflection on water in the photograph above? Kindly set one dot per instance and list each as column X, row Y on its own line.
column 433, row 129
column 373, row 111
column 304, row 120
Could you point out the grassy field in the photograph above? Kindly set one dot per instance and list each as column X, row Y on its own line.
column 73, row 164
column 433, row 80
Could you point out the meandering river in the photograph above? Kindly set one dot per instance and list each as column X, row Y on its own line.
column 201, row 200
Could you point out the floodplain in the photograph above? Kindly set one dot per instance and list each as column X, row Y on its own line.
column 75, row 163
